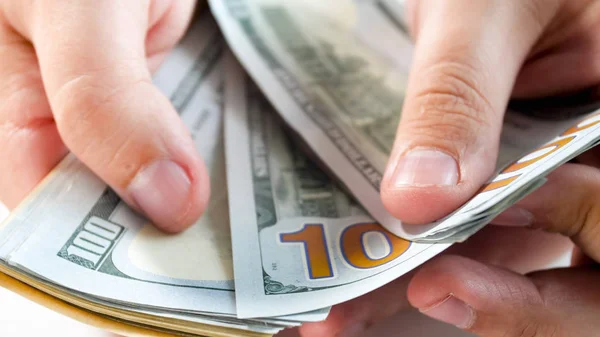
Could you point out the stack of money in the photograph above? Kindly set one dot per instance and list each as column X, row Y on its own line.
column 295, row 131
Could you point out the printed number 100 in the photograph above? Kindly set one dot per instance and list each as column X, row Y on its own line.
column 354, row 247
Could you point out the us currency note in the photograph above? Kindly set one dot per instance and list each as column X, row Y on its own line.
column 336, row 72
column 76, row 233
column 299, row 241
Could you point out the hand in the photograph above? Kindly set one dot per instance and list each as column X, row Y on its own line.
column 556, row 50
column 492, row 301
column 471, row 58
column 352, row 318
column 75, row 76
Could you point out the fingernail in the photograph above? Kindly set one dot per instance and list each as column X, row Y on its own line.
column 423, row 167
column 452, row 311
column 354, row 330
column 162, row 191
column 514, row 216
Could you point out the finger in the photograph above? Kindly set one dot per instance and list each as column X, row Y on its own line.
column 352, row 318
column 566, row 204
column 488, row 246
column 168, row 20
column 31, row 146
column 461, row 79
column 590, row 157
column 491, row 301
column 108, row 112
column 572, row 41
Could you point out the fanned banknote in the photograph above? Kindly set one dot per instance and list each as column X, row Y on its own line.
column 74, row 238
column 336, row 72
column 281, row 241
column 299, row 241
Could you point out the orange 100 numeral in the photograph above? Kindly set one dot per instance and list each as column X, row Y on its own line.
column 316, row 253
column 353, row 247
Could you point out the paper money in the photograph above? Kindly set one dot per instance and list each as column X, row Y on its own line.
column 74, row 236
column 299, row 241
column 336, row 73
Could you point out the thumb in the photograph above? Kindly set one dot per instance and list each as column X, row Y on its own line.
column 493, row 302
column 93, row 62
column 462, row 77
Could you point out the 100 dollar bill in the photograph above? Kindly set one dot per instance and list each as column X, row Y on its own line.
column 299, row 242
column 336, row 72
column 75, row 237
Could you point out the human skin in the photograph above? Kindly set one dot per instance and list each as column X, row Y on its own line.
column 76, row 77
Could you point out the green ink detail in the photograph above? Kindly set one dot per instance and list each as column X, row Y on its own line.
column 313, row 106
column 315, row 190
column 108, row 267
column 266, row 213
column 273, row 287
column 102, row 209
column 76, row 259
column 369, row 105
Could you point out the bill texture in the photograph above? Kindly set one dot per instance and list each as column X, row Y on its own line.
column 336, row 72
column 281, row 240
column 299, row 241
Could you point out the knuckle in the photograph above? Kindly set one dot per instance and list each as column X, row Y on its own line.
column 512, row 294
column 441, row 123
column 94, row 95
column 456, row 87
column 79, row 106
column 98, row 128
column 450, row 105
column 85, row 109
column 23, row 104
